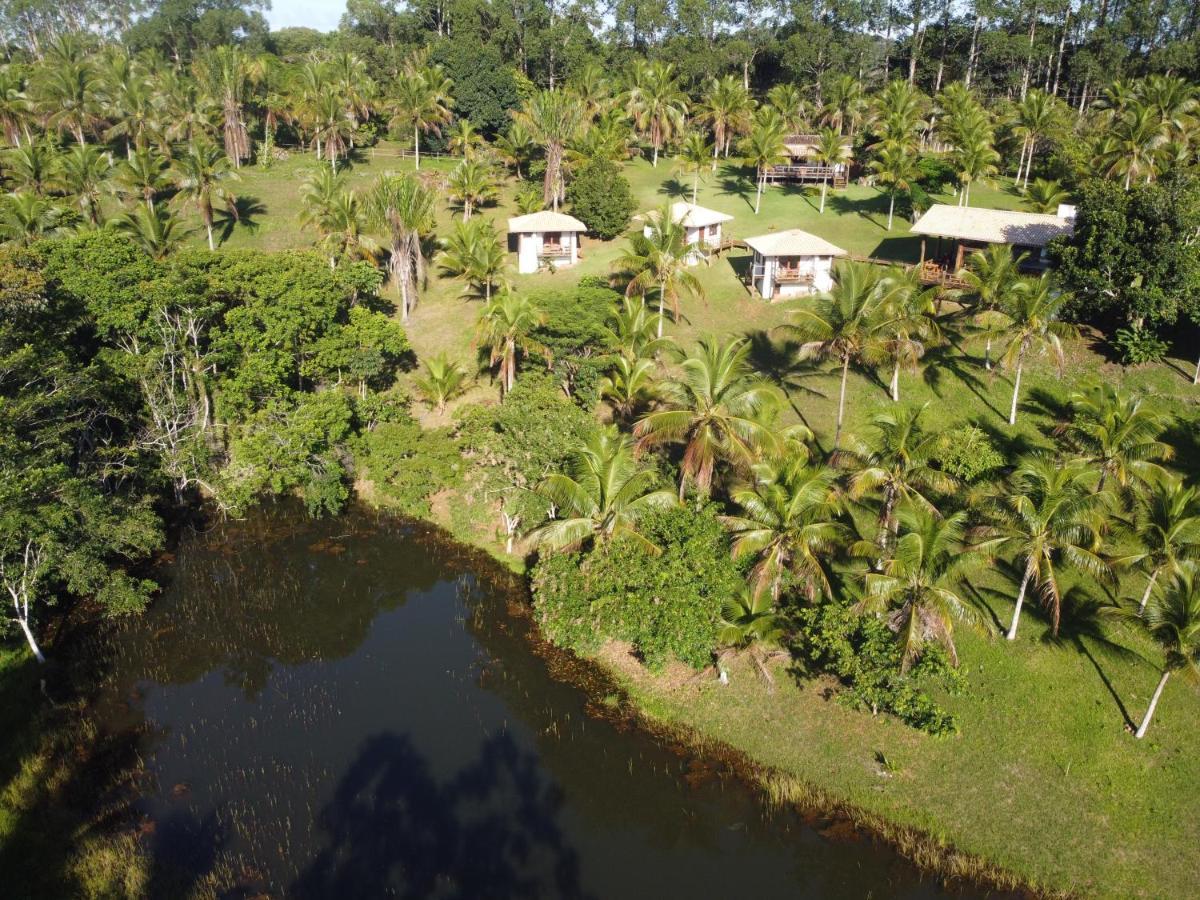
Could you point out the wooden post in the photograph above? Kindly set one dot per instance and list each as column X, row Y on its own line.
column 921, row 264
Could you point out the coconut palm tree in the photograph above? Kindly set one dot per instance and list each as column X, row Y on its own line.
column 895, row 464
column 83, row 173
column 26, row 217
column 332, row 124
column 726, row 109
column 1051, row 518
column 1166, row 525
column 716, row 411
column 143, row 175
column 631, row 385
column 909, row 323
column 67, row 95
column 918, row 589
column 847, row 105
column 33, row 166
column 694, row 160
column 830, row 151
column 342, row 222
column 471, row 184
column 1035, row 328
column 403, row 207
column 201, row 175
column 516, row 147
column 442, row 381
column 1132, row 142
column 1045, row 196
column 552, row 118
column 15, row 107
column 992, row 276
column 506, row 327
column 898, row 167
column 155, row 229
column 751, row 624
column 633, row 331
column 656, row 103
column 464, row 139
column 843, row 325
column 658, row 261
column 762, row 149
column 789, row 521
column 1172, row 621
column 474, row 253
column 1119, row 434
column 224, row 74
column 603, row 496
column 1038, row 116
column 786, row 99
column 975, row 156
column 900, row 115
column 422, row 103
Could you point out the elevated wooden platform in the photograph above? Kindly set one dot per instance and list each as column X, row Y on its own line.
column 789, row 174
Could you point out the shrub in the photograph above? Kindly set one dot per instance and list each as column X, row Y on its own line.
column 576, row 332
column 601, row 198
column 667, row 606
column 1139, row 345
column 967, row 453
column 408, row 464
column 864, row 655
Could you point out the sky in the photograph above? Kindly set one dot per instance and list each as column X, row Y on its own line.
column 322, row 15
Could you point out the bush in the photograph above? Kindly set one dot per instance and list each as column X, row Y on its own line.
column 576, row 331
column 601, row 198
column 967, row 453
column 408, row 464
column 667, row 606
column 864, row 655
column 1139, row 345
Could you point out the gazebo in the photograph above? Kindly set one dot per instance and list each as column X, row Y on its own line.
column 791, row 263
column 545, row 238
column 702, row 226
column 960, row 230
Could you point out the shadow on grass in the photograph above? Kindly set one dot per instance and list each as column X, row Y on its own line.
column 947, row 361
column 742, row 187
column 1184, row 436
column 871, row 209
column 904, row 249
column 777, row 360
column 675, row 189
column 248, row 210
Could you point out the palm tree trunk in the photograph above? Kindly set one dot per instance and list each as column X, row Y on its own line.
column 837, row 434
column 891, row 210
column 208, row 228
column 1149, row 588
column 824, row 185
column 695, row 185
column 1012, row 629
column 417, row 147
column 1196, row 377
column 896, row 381
column 662, row 300
column 987, row 354
column 1012, row 413
column 1162, row 683
column 758, row 198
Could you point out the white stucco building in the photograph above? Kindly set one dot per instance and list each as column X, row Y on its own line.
column 703, row 227
column 545, row 239
column 791, row 263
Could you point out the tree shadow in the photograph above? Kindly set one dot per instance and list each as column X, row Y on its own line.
column 1045, row 403
column 1012, row 445
column 906, row 249
column 870, row 209
column 1184, row 435
column 491, row 830
column 945, row 361
column 673, row 188
column 248, row 210
column 742, row 187
column 777, row 360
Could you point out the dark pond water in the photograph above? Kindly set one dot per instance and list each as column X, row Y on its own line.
column 348, row 709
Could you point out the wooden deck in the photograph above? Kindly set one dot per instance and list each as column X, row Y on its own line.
column 807, row 175
column 930, row 273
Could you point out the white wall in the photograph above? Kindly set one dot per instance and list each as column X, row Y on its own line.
column 529, row 251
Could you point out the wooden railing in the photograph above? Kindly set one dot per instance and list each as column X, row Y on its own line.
column 812, row 174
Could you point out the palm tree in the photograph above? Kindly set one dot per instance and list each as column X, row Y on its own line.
column 1045, row 196
column 631, row 385
column 1172, row 620
column 1119, row 434
column 829, row 151
column 342, row 223
column 144, row 175
column 603, row 496
column 975, row 157
column 763, row 149
column 844, row 326
column 789, row 522
column 552, row 118
column 716, row 411
column 442, row 381
column 200, row 176
column 472, row 183
column 726, row 110
column 473, row 252
column 506, row 327
column 787, row 100
column 1167, row 526
column 1132, row 143
column 15, row 108
column 992, row 276
column 422, row 103
column 694, row 159
column 909, row 323
column 658, row 260
column 223, row 75
column 84, row 173
column 847, row 105
column 516, row 147
column 33, row 166
column 404, row 208
column 1038, row 116
column 332, row 124
column 1034, row 311
column 1050, row 517
column 464, row 139
column 66, row 92
column 155, row 229
column 656, row 103
column 900, row 113
column 896, row 464
column 898, row 167
column 633, row 331
column 918, row 588
column 750, row 623
column 25, row 217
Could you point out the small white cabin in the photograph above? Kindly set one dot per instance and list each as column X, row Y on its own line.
column 703, row 227
column 545, row 239
column 791, row 263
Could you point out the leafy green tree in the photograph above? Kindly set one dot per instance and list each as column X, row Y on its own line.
column 831, row 150
column 33, row 166
column 751, row 624
column 1046, row 195
column 601, row 198
column 368, row 349
column 992, row 278
column 472, row 184
column 155, row 229
column 552, row 118
column 633, row 331
column 909, row 323
column 896, row 166
column 143, row 175
column 631, row 385
column 602, row 497
column 693, row 159
column 422, row 103
column 84, row 174
column 1035, row 327
column 715, row 410
column 224, row 76
column 725, row 108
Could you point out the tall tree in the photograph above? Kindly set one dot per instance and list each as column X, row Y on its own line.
column 201, row 175
column 1035, row 328
column 404, row 207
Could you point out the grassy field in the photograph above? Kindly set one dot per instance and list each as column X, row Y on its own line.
column 1045, row 778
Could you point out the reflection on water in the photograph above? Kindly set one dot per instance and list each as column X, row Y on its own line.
column 346, row 709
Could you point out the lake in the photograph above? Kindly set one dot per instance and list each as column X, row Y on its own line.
column 355, row 707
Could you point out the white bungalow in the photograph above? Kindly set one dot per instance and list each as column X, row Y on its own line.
column 960, row 230
column 545, row 239
column 703, row 227
column 791, row 263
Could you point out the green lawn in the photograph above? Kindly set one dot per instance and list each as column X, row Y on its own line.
column 1044, row 778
